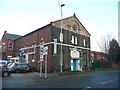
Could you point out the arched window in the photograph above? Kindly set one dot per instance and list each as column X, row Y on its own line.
column 84, row 42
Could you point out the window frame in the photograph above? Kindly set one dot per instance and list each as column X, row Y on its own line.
column 76, row 40
column 10, row 47
column 84, row 42
column 73, row 39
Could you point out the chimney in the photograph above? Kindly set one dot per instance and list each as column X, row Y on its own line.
column 5, row 32
column 74, row 15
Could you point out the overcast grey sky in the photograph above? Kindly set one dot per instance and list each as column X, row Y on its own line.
column 100, row 17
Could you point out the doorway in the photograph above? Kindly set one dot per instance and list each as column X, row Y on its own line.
column 75, row 65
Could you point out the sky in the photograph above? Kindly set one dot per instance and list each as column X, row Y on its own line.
column 100, row 17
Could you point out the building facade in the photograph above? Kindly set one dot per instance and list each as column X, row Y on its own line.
column 75, row 46
column 0, row 50
column 99, row 56
column 7, row 43
column 101, row 59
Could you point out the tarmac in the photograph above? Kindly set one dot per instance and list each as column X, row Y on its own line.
column 35, row 76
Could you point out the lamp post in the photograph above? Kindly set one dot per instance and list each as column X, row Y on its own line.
column 61, row 39
column 41, row 55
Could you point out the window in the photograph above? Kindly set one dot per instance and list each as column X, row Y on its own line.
column 85, row 58
column 76, row 40
column 98, row 57
column 3, row 47
column 92, row 54
column 84, row 42
column 10, row 46
column 80, row 54
column 72, row 39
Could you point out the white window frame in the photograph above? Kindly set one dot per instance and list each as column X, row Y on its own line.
column 84, row 42
column 76, row 41
column 73, row 38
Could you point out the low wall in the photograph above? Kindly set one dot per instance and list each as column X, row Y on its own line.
column 115, row 66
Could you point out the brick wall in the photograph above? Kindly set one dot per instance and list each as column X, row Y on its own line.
column 5, row 51
column 35, row 38
column 67, row 36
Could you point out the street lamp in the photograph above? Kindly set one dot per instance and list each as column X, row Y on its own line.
column 61, row 38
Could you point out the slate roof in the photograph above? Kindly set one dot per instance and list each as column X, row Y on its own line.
column 12, row 36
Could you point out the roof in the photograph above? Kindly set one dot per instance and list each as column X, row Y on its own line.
column 12, row 36
column 72, row 17
column 34, row 31
column 98, row 52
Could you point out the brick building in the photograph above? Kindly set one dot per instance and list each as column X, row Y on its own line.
column 75, row 46
column 100, row 56
column 0, row 50
column 7, row 43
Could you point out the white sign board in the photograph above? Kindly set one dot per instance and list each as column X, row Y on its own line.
column 41, row 49
column 45, row 50
column 61, row 37
column 41, row 56
column 75, row 54
column 55, row 46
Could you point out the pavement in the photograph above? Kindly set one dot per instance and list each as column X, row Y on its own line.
column 108, row 78
column 35, row 76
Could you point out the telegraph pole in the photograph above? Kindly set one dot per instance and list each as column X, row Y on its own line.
column 41, row 56
column 61, row 39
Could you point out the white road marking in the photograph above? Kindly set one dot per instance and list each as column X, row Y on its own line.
column 85, row 88
column 88, row 87
column 109, row 81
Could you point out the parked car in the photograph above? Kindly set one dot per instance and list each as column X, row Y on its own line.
column 4, row 71
column 19, row 67
column 9, row 64
column 4, row 62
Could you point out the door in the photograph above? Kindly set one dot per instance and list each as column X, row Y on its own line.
column 26, row 58
column 74, row 65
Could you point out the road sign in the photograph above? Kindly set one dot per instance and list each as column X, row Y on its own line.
column 41, row 49
column 41, row 59
column 45, row 50
column 22, row 53
column 61, row 37
column 55, row 46
column 41, row 56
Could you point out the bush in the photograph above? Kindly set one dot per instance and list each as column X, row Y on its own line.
column 96, row 64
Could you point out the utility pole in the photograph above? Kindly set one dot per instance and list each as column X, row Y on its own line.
column 45, row 53
column 61, row 39
column 41, row 56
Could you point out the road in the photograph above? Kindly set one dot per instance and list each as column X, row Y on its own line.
column 105, row 79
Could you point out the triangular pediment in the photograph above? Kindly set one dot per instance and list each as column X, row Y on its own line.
column 72, row 24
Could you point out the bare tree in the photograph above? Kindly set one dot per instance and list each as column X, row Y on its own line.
column 103, row 43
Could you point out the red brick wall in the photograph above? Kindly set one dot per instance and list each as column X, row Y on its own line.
column 6, row 52
column 36, row 37
column 98, row 56
column 115, row 66
column 10, row 52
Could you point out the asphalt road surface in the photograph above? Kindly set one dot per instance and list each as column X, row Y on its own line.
column 105, row 79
